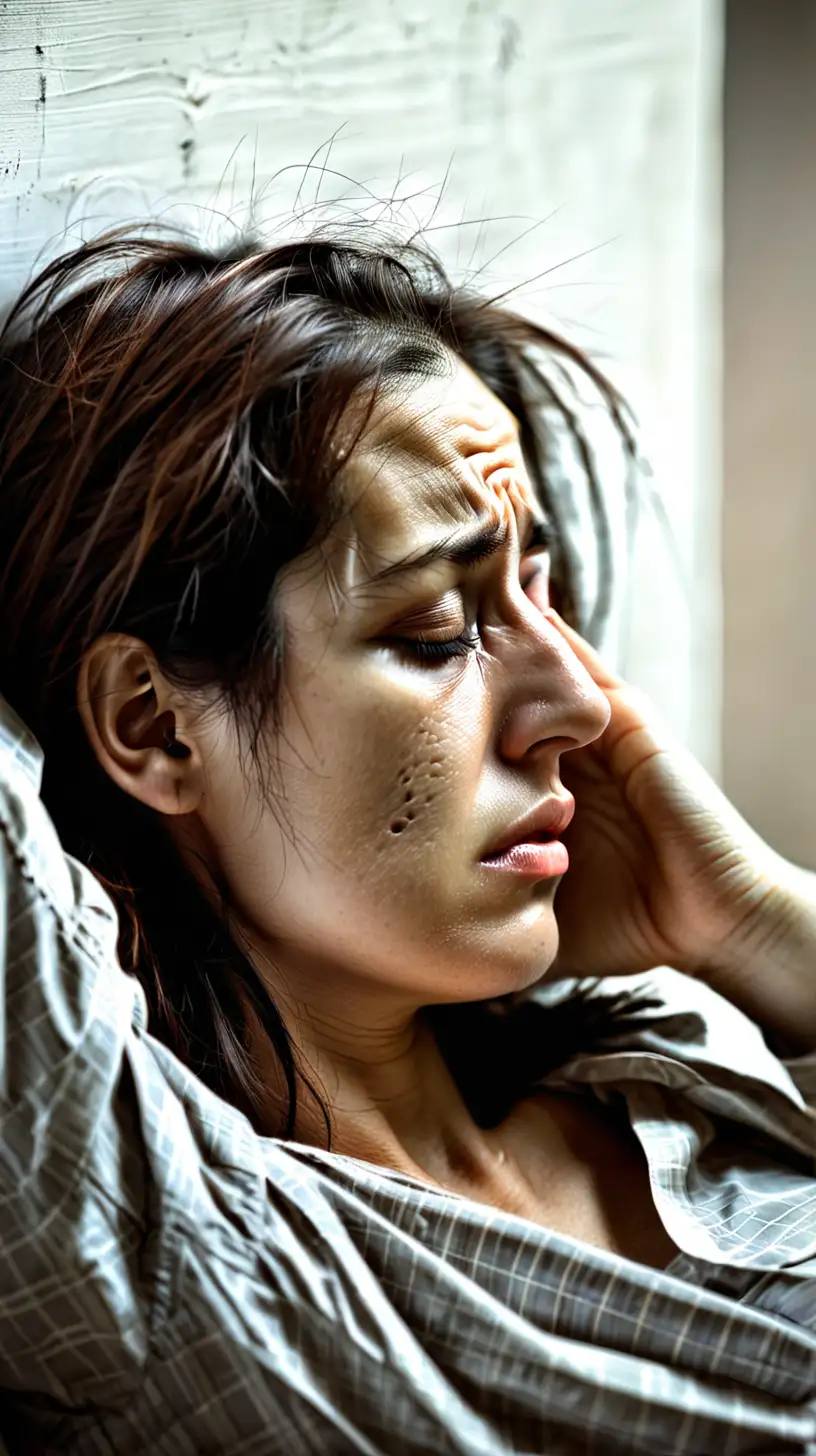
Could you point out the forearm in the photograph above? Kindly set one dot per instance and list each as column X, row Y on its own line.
column 769, row 970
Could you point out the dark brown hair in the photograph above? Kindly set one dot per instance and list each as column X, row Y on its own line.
column 167, row 418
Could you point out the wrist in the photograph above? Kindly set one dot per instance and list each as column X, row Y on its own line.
column 767, row 966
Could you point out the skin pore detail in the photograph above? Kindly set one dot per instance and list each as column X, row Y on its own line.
column 418, row 779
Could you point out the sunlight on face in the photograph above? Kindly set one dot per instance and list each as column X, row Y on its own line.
column 425, row 705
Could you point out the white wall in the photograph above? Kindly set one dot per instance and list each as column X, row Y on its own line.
column 595, row 119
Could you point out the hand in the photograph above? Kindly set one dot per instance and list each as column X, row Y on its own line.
column 663, row 870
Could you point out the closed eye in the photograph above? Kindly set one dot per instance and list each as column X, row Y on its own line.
column 431, row 650
column 534, row 576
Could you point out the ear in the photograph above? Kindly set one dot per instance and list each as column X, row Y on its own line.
column 135, row 726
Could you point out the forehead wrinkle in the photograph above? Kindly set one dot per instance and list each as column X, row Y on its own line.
column 428, row 460
column 395, row 529
column 361, row 558
column 404, row 487
column 509, row 523
column 426, row 420
column 450, row 477
column 470, row 438
column 450, row 443
column 347, row 559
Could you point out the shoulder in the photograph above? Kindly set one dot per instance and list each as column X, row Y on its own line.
column 664, row 1014
column 690, row 1053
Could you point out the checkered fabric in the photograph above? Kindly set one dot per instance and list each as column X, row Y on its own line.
column 172, row 1283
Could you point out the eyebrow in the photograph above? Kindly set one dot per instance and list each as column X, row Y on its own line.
column 467, row 549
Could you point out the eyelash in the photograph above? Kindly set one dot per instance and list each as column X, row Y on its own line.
column 434, row 652
column 440, row 651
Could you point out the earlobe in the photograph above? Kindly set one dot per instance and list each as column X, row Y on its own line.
column 125, row 706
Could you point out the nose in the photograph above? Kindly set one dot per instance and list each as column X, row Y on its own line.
column 552, row 699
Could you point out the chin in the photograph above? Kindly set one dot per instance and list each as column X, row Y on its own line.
column 537, row 949
column 538, row 971
column 503, row 973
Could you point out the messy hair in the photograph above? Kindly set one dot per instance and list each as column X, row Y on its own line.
column 166, row 448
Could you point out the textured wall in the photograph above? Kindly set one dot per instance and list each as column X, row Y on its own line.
column 587, row 132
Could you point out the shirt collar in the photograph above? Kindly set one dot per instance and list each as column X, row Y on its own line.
column 19, row 746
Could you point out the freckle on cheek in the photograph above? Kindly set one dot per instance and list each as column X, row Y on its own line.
column 418, row 781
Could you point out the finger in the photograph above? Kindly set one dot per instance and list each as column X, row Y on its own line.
column 586, row 655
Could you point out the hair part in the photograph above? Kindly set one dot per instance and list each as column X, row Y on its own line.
column 168, row 418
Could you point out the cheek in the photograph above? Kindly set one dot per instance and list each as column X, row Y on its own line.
column 435, row 781
column 381, row 775
column 421, row 779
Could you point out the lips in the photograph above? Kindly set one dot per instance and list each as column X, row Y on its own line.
column 543, row 824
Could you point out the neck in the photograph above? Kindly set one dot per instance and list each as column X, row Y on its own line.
column 377, row 1065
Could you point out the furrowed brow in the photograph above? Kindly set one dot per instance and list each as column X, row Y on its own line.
column 467, row 549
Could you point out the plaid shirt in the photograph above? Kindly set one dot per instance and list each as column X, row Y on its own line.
column 172, row 1283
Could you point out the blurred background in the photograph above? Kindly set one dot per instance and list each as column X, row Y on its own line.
column 769, row 463
column 638, row 172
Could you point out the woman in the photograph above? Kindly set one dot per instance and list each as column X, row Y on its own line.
column 281, row 570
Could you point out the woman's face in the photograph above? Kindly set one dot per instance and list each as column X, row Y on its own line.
column 425, row 707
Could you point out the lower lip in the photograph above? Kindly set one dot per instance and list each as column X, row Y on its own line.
column 537, row 861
